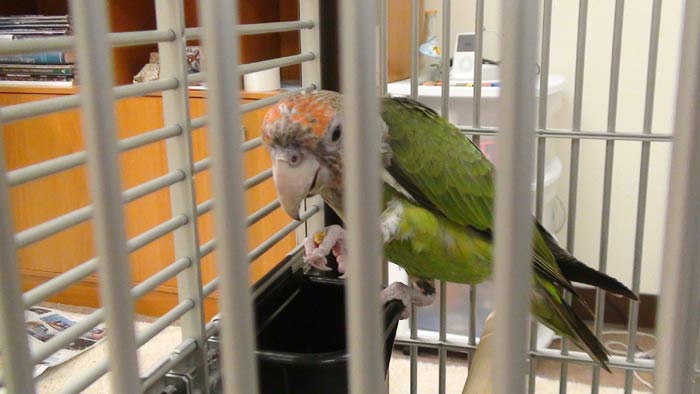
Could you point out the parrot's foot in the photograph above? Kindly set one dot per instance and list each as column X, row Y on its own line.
column 327, row 240
column 407, row 295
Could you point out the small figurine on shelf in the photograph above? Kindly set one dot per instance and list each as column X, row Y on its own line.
column 151, row 70
column 431, row 60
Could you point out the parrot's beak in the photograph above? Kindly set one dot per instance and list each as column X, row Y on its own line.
column 293, row 182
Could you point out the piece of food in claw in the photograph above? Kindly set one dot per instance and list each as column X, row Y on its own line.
column 319, row 236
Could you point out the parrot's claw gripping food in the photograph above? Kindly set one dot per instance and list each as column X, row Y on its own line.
column 323, row 242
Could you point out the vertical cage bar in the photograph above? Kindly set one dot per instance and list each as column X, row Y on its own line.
column 574, row 163
column 383, row 44
column 445, row 61
column 415, row 22
column 472, row 317
column 607, row 177
column 239, row 369
column 176, row 110
column 18, row 376
column 442, row 377
column 539, row 192
column 97, row 101
column 445, row 112
column 679, row 302
column 541, row 155
column 310, row 42
column 513, row 230
column 476, row 121
column 358, row 70
column 412, row 320
column 633, row 321
column 478, row 60
column 544, row 65
column 413, row 349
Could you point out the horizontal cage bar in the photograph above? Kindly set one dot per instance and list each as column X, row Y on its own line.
column 195, row 33
column 578, row 135
column 248, row 68
column 120, row 39
column 202, row 121
column 42, row 107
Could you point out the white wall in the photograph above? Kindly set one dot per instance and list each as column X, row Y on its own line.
column 594, row 118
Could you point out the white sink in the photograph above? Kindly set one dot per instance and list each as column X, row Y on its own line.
column 462, row 98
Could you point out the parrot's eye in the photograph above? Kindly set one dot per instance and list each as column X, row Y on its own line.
column 294, row 158
column 337, row 133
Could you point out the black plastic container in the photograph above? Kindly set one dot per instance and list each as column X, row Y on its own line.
column 301, row 335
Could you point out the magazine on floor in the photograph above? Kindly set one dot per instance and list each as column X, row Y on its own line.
column 45, row 323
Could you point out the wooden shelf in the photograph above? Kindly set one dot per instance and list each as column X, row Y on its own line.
column 134, row 15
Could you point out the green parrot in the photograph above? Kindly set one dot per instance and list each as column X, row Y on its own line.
column 437, row 218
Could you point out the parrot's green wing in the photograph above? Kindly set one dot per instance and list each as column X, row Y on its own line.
column 445, row 172
column 435, row 162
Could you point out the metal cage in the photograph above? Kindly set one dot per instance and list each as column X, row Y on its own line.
column 523, row 128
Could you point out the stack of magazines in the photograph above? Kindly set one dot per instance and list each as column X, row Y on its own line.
column 55, row 68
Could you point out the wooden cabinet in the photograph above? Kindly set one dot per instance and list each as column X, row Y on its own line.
column 38, row 139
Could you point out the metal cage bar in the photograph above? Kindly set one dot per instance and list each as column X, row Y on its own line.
column 478, row 61
column 578, row 135
column 677, row 324
column 219, row 19
column 445, row 112
column 476, row 122
column 382, row 16
column 541, row 155
column 121, row 39
column 259, row 66
column 17, row 375
column 171, row 14
column 412, row 320
column 361, row 172
column 632, row 324
column 195, row 33
column 607, row 177
column 513, row 223
column 47, row 106
column 66, row 162
column 90, row 18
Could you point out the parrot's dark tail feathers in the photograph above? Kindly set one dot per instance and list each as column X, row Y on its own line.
column 587, row 340
column 576, row 271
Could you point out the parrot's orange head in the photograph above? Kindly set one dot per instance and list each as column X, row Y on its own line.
column 304, row 135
